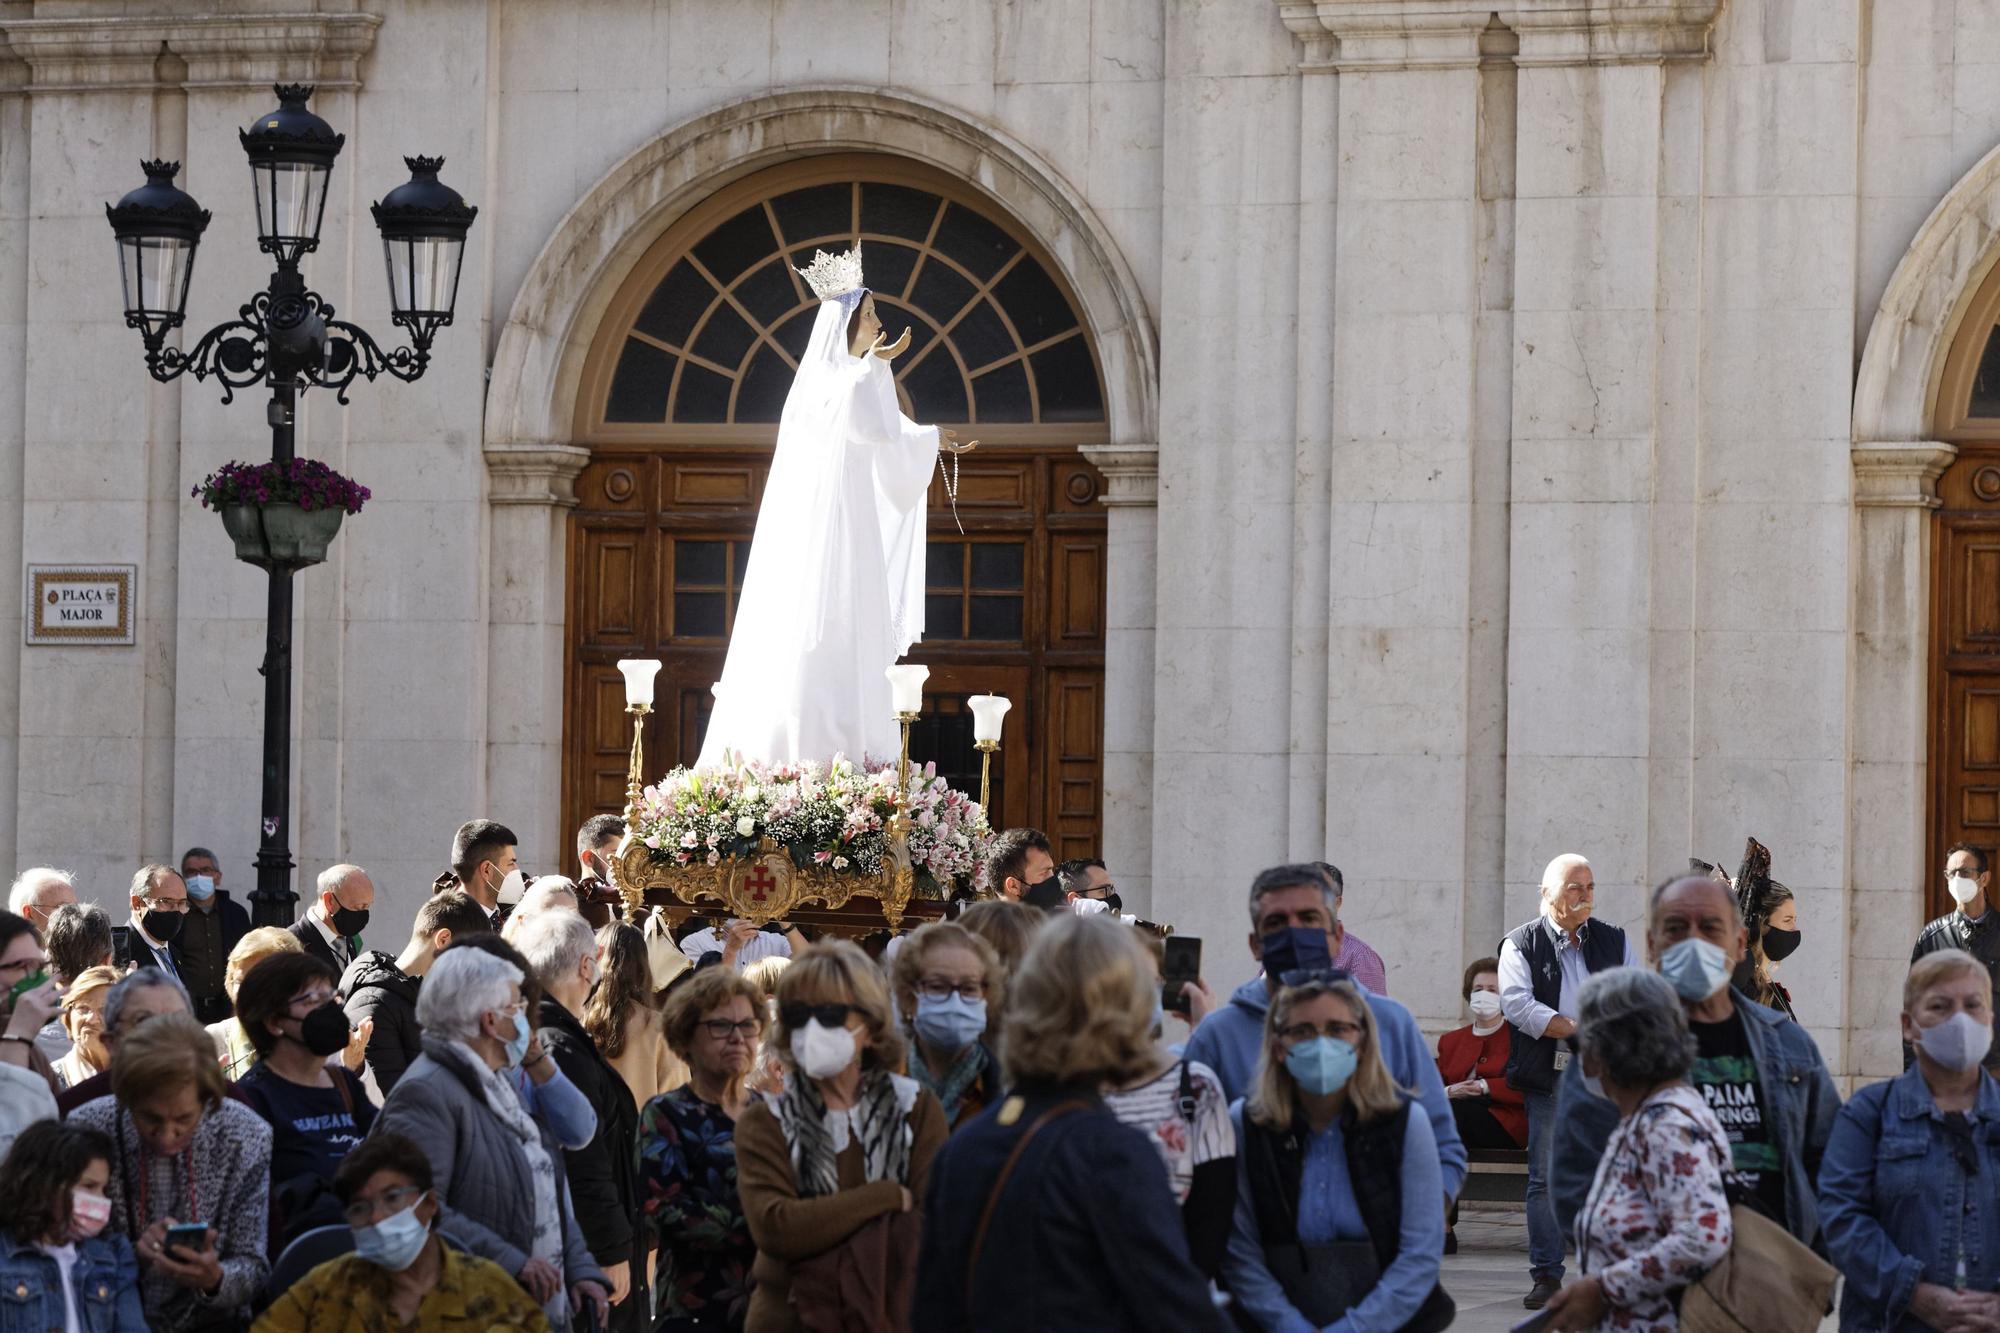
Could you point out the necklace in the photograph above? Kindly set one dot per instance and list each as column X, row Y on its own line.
column 951, row 487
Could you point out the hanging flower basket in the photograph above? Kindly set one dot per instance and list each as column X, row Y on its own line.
column 281, row 515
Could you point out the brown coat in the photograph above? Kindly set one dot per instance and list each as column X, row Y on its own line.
column 787, row 1228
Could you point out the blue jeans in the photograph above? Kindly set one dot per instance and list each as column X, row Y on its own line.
column 1545, row 1240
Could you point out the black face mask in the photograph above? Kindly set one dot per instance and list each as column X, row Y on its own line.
column 162, row 926
column 1779, row 944
column 325, row 1030
column 1296, row 950
column 1047, row 895
column 349, row 922
column 1113, row 902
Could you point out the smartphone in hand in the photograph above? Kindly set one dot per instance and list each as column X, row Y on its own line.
column 1181, row 964
column 187, row 1239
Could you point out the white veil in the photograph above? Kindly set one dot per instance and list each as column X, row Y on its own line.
column 834, row 591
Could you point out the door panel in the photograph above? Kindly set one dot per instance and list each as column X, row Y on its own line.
column 1965, row 663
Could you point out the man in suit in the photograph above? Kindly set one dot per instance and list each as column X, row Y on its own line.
column 331, row 928
column 159, row 909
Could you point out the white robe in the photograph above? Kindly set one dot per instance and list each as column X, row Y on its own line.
column 834, row 592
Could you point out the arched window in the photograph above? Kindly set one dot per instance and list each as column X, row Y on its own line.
column 679, row 402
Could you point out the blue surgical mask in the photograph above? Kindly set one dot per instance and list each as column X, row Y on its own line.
column 950, row 1024
column 1322, row 1066
column 395, row 1242
column 200, row 888
column 1295, row 949
column 1696, row 968
column 517, row 1045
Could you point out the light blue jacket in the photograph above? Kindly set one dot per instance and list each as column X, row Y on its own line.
column 105, row 1277
column 1899, row 1209
column 1791, row 1077
column 1231, row 1040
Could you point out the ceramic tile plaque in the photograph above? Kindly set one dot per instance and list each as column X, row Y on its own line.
column 80, row 604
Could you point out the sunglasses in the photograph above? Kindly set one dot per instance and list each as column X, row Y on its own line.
column 829, row 1015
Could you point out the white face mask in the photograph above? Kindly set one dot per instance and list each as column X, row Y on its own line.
column 822, row 1052
column 1964, row 889
column 512, row 887
column 1485, row 1005
column 1958, row 1043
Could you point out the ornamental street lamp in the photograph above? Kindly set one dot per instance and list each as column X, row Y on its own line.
column 286, row 337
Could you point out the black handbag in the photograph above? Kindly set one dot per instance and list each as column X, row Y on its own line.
column 1324, row 1281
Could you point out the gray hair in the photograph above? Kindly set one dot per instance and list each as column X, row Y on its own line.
column 1721, row 890
column 554, row 943
column 1552, row 876
column 147, row 876
column 27, row 888
column 331, row 878
column 139, row 978
column 461, row 985
column 1298, row 875
column 1631, row 1023
column 78, row 938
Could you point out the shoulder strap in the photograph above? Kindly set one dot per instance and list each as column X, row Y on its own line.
column 1000, row 1188
column 1187, row 1097
column 346, row 1093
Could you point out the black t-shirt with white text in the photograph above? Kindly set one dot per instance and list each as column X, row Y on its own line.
column 1726, row 1076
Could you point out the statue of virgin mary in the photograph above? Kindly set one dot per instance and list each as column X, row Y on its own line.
column 834, row 592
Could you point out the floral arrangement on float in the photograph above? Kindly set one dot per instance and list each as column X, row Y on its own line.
column 833, row 817
column 762, row 840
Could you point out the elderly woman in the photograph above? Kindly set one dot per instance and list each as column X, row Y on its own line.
column 1656, row 1217
column 1472, row 1061
column 687, row 1156
column 232, row 1043
column 497, row 1170
column 1045, row 1212
column 1906, row 1191
column 184, row 1154
column 59, row 1269
column 318, row 1112
column 401, row 1273
column 948, row 982
column 1338, row 1219
column 83, row 1021
column 829, row 1169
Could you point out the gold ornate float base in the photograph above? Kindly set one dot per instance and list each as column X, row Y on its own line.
column 768, row 887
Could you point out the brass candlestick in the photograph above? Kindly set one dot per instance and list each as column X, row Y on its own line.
column 986, row 749
column 635, row 782
column 903, row 764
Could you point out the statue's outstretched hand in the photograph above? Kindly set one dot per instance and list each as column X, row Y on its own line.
column 948, row 439
column 894, row 349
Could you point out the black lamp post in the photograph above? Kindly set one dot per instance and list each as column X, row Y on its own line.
column 286, row 336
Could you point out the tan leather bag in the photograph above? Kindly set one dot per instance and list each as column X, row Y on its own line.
column 1767, row 1283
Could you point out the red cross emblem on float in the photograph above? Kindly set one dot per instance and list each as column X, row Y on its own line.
column 760, row 883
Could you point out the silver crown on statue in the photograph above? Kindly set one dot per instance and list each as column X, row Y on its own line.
column 832, row 276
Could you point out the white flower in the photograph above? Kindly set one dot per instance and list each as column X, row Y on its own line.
column 745, row 827
column 840, row 863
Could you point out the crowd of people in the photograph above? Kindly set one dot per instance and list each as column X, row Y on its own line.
column 541, row 1112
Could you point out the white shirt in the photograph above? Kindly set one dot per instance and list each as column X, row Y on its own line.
column 163, row 957
column 1518, row 1004
column 763, row 944
column 65, row 1257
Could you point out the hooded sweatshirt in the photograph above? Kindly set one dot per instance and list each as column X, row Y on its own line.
column 1231, row 1039
column 374, row 987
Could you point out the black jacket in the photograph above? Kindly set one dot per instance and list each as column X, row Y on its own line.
column 201, row 952
column 1531, row 1061
column 374, row 987
column 1085, row 1235
column 603, row 1174
column 128, row 950
column 307, row 934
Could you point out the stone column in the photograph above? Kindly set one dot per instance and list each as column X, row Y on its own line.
column 15, row 211
column 1888, row 730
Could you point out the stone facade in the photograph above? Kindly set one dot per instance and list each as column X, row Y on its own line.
column 1519, row 412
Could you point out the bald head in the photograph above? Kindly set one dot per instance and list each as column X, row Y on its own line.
column 1694, row 906
column 345, row 896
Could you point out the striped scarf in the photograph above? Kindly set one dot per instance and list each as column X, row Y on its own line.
column 875, row 1121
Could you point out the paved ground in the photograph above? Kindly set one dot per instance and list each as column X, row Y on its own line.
column 1489, row 1274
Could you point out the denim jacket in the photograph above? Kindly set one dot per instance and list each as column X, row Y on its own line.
column 1898, row 1207
column 107, row 1287
column 1795, row 1086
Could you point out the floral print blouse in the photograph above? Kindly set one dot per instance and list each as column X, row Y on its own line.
column 1656, row 1218
column 687, row 1186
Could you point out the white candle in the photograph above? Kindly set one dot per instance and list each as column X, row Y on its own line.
column 987, row 712
column 639, row 673
column 906, row 687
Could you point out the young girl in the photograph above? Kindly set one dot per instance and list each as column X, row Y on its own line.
column 55, row 1259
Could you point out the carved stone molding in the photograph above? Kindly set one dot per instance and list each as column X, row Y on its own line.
column 1900, row 474
column 122, row 53
column 1131, row 473
column 1370, row 35
column 535, row 474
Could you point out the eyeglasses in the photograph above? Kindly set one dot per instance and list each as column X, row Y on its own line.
column 722, row 1028
column 363, row 1212
column 311, row 999
column 165, row 904
column 938, row 988
column 1333, row 1027
column 829, row 1015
